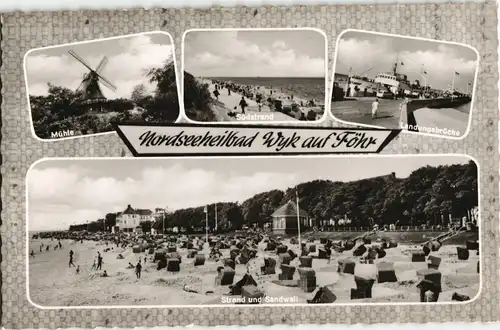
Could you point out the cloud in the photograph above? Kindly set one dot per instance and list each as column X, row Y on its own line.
column 124, row 69
column 378, row 55
column 225, row 54
column 279, row 44
column 60, row 197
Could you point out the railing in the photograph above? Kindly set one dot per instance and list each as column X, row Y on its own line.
column 388, row 229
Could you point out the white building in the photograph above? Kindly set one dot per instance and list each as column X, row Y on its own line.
column 395, row 84
column 130, row 219
column 159, row 213
column 158, row 217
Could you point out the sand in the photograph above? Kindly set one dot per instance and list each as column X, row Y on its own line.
column 227, row 103
column 52, row 283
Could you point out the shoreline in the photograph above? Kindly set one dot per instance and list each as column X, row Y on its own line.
column 263, row 104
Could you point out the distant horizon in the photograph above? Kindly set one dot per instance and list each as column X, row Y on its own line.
column 291, row 77
column 87, row 211
column 280, row 77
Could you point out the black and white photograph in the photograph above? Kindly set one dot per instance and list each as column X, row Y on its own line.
column 399, row 82
column 253, row 230
column 255, row 75
column 82, row 88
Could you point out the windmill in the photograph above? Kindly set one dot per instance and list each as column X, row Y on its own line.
column 90, row 89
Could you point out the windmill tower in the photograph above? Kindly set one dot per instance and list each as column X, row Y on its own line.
column 92, row 97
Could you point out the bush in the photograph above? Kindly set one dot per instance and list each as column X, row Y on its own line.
column 197, row 100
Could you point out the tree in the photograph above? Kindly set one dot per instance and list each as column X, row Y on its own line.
column 429, row 194
column 139, row 93
column 164, row 106
column 146, row 226
column 110, row 220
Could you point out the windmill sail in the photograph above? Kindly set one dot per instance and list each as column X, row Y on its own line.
column 90, row 87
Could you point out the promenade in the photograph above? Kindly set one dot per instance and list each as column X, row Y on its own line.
column 359, row 111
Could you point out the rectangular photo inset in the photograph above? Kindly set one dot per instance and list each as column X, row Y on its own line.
column 255, row 75
column 392, row 81
column 253, row 230
column 82, row 88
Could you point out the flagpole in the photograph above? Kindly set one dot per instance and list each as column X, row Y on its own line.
column 163, row 221
column 423, row 76
column 453, row 84
column 215, row 216
column 298, row 215
column 206, row 225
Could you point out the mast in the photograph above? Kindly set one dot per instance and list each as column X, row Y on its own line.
column 453, row 84
column 215, row 216
column 395, row 68
column 206, row 224
column 163, row 221
column 298, row 215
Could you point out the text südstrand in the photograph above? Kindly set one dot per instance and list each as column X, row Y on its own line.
column 273, row 140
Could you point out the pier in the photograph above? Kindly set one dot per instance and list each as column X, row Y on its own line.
column 359, row 111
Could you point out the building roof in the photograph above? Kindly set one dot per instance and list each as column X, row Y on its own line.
column 289, row 210
column 144, row 212
column 130, row 210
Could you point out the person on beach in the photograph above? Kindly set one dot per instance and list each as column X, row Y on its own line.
column 243, row 104
column 71, row 259
column 78, row 270
column 41, row 246
column 216, row 94
column 60, row 245
column 104, row 274
column 145, row 259
column 374, row 108
column 228, row 91
column 94, row 266
column 99, row 262
column 32, row 253
column 138, row 269
column 47, row 248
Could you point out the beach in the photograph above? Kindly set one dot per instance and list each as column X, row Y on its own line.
column 292, row 107
column 53, row 283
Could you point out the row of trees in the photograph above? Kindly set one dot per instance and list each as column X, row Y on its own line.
column 61, row 109
column 428, row 195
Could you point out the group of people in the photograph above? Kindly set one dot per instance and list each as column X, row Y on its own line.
column 243, row 103
column 47, row 248
column 252, row 93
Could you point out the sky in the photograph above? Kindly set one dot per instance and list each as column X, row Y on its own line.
column 255, row 53
column 66, row 192
column 373, row 54
column 128, row 57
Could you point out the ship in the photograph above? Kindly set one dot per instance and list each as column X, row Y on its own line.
column 387, row 85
